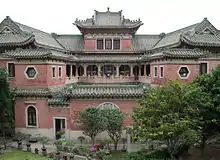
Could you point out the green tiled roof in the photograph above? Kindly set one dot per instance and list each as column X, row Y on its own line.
column 56, row 101
column 109, row 58
column 202, row 40
column 15, row 39
column 106, row 91
column 144, row 42
column 39, row 54
column 71, row 42
column 178, row 53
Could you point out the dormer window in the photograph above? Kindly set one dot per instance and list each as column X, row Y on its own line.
column 116, row 43
column 108, row 43
column 100, row 43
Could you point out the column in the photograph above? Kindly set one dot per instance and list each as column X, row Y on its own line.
column 76, row 71
column 99, row 70
column 145, row 70
column 117, row 71
column 139, row 70
column 131, row 70
column 84, row 67
column 71, row 72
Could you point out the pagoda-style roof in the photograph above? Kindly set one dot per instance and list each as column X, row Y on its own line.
column 178, row 53
column 16, row 34
column 39, row 54
column 199, row 34
column 12, row 35
column 108, row 20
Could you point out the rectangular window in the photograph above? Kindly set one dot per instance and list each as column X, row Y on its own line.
column 11, row 70
column 100, row 43
column 161, row 71
column 116, row 43
column 108, row 44
column 60, row 72
column 53, row 72
column 155, row 72
column 203, row 68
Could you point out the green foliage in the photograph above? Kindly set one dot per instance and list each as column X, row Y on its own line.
column 206, row 92
column 91, row 122
column 166, row 116
column 6, row 104
column 81, row 139
column 114, row 120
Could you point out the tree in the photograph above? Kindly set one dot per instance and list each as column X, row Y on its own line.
column 91, row 122
column 206, row 90
column 6, row 104
column 167, row 116
column 114, row 124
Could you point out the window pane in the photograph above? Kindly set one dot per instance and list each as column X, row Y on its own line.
column 32, row 121
column 108, row 44
column 11, row 69
column 161, row 71
column 155, row 71
column 60, row 74
column 100, row 44
column 116, row 43
column 203, row 68
column 53, row 71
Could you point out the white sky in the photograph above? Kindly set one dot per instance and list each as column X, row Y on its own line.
column 157, row 15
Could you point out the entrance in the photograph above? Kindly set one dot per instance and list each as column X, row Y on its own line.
column 59, row 127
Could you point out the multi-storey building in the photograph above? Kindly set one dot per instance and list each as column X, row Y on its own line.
column 107, row 65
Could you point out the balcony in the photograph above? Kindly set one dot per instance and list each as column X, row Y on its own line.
column 105, row 79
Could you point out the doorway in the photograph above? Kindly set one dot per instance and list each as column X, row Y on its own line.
column 59, row 127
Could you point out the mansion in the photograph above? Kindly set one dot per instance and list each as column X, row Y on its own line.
column 108, row 65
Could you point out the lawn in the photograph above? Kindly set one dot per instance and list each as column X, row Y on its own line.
column 21, row 155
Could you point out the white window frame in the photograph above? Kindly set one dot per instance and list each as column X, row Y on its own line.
column 113, row 43
column 108, row 103
column 53, row 67
column 207, row 65
column 155, row 72
column 160, row 71
column 8, row 68
column 179, row 70
column 26, row 116
column 60, row 72
column 54, row 125
column 25, row 72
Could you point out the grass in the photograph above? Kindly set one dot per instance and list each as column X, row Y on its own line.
column 117, row 155
column 21, row 155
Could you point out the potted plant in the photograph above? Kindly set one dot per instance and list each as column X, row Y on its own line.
column 124, row 140
column 19, row 143
column 28, row 144
column 44, row 140
column 59, row 134
column 81, row 139
column 36, row 150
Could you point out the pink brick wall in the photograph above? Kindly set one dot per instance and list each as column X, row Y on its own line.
column 90, row 44
column 126, row 44
column 46, row 114
column 43, row 78
column 171, row 73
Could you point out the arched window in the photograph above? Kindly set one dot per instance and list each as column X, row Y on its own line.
column 31, row 116
column 108, row 105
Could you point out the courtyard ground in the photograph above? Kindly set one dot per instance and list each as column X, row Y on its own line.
column 21, row 155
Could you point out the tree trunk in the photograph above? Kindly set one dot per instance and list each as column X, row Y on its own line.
column 203, row 145
column 93, row 140
column 115, row 146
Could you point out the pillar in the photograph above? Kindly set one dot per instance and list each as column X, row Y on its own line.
column 76, row 70
column 145, row 70
column 131, row 70
column 84, row 67
column 99, row 70
column 71, row 72
column 139, row 70
column 117, row 71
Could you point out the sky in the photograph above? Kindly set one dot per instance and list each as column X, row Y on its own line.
column 58, row 16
